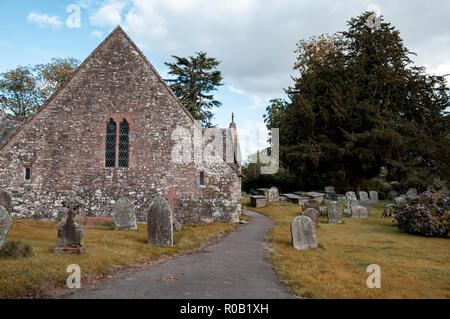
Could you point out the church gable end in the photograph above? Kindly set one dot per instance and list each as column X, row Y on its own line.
column 107, row 134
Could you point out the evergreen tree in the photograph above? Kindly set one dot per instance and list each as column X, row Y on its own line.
column 195, row 78
column 359, row 104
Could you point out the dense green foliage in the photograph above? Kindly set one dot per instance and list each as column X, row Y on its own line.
column 24, row 89
column 195, row 78
column 427, row 215
column 360, row 104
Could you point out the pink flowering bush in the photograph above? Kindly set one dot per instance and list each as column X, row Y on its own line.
column 427, row 215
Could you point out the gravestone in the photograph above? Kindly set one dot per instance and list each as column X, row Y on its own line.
column 329, row 190
column 373, row 197
column 303, row 233
column 273, row 194
column 364, row 197
column 313, row 214
column 124, row 214
column 70, row 235
column 351, row 200
column 159, row 223
column 263, row 191
column 400, row 200
column 359, row 212
column 5, row 225
column 388, row 211
column 311, row 204
column 411, row 194
column 364, row 200
column 258, row 201
column 334, row 213
column 351, row 196
column 5, row 201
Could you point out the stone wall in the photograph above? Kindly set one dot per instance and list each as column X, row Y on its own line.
column 64, row 144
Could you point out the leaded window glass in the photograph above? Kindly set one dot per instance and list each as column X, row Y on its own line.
column 110, row 151
column 28, row 173
column 202, row 179
column 124, row 141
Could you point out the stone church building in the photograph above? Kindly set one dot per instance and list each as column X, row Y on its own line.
column 107, row 133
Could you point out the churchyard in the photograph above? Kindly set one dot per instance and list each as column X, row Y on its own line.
column 107, row 253
column 411, row 266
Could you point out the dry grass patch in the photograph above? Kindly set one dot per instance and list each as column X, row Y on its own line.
column 106, row 249
column 411, row 266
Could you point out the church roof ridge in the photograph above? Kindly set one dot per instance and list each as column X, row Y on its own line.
column 118, row 28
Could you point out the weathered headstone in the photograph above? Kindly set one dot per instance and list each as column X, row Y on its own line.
column 364, row 197
column 400, row 200
column 303, row 233
column 312, row 204
column 364, row 200
column 373, row 197
column 70, row 235
column 411, row 194
column 159, row 223
column 334, row 213
column 313, row 214
column 359, row 212
column 124, row 213
column 5, row 201
column 388, row 211
column 5, row 225
column 273, row 194
column 351, row 196
column 351, row 200
column 258, row 201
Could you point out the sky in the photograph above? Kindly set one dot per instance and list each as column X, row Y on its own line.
column 255, row 40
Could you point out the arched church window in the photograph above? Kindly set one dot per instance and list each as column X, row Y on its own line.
column 124, row 141
column 110, row 146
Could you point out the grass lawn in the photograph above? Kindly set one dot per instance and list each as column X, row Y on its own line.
column 411, row 266
column 106, row 249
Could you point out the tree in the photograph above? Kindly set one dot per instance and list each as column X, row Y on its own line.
column 24, row 89
column 195, row 78
column 53, row 75
column 19, row 93
column 359, row 104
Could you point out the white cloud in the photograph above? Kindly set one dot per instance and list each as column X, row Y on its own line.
column 108, row 15
column 236, row 90
column 257, row 103
column 97, row 34
column 255, row 40
column 44, row 20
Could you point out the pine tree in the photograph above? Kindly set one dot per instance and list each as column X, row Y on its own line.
column 195, row 78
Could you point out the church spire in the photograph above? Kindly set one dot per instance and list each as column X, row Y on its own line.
column 232, row 124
